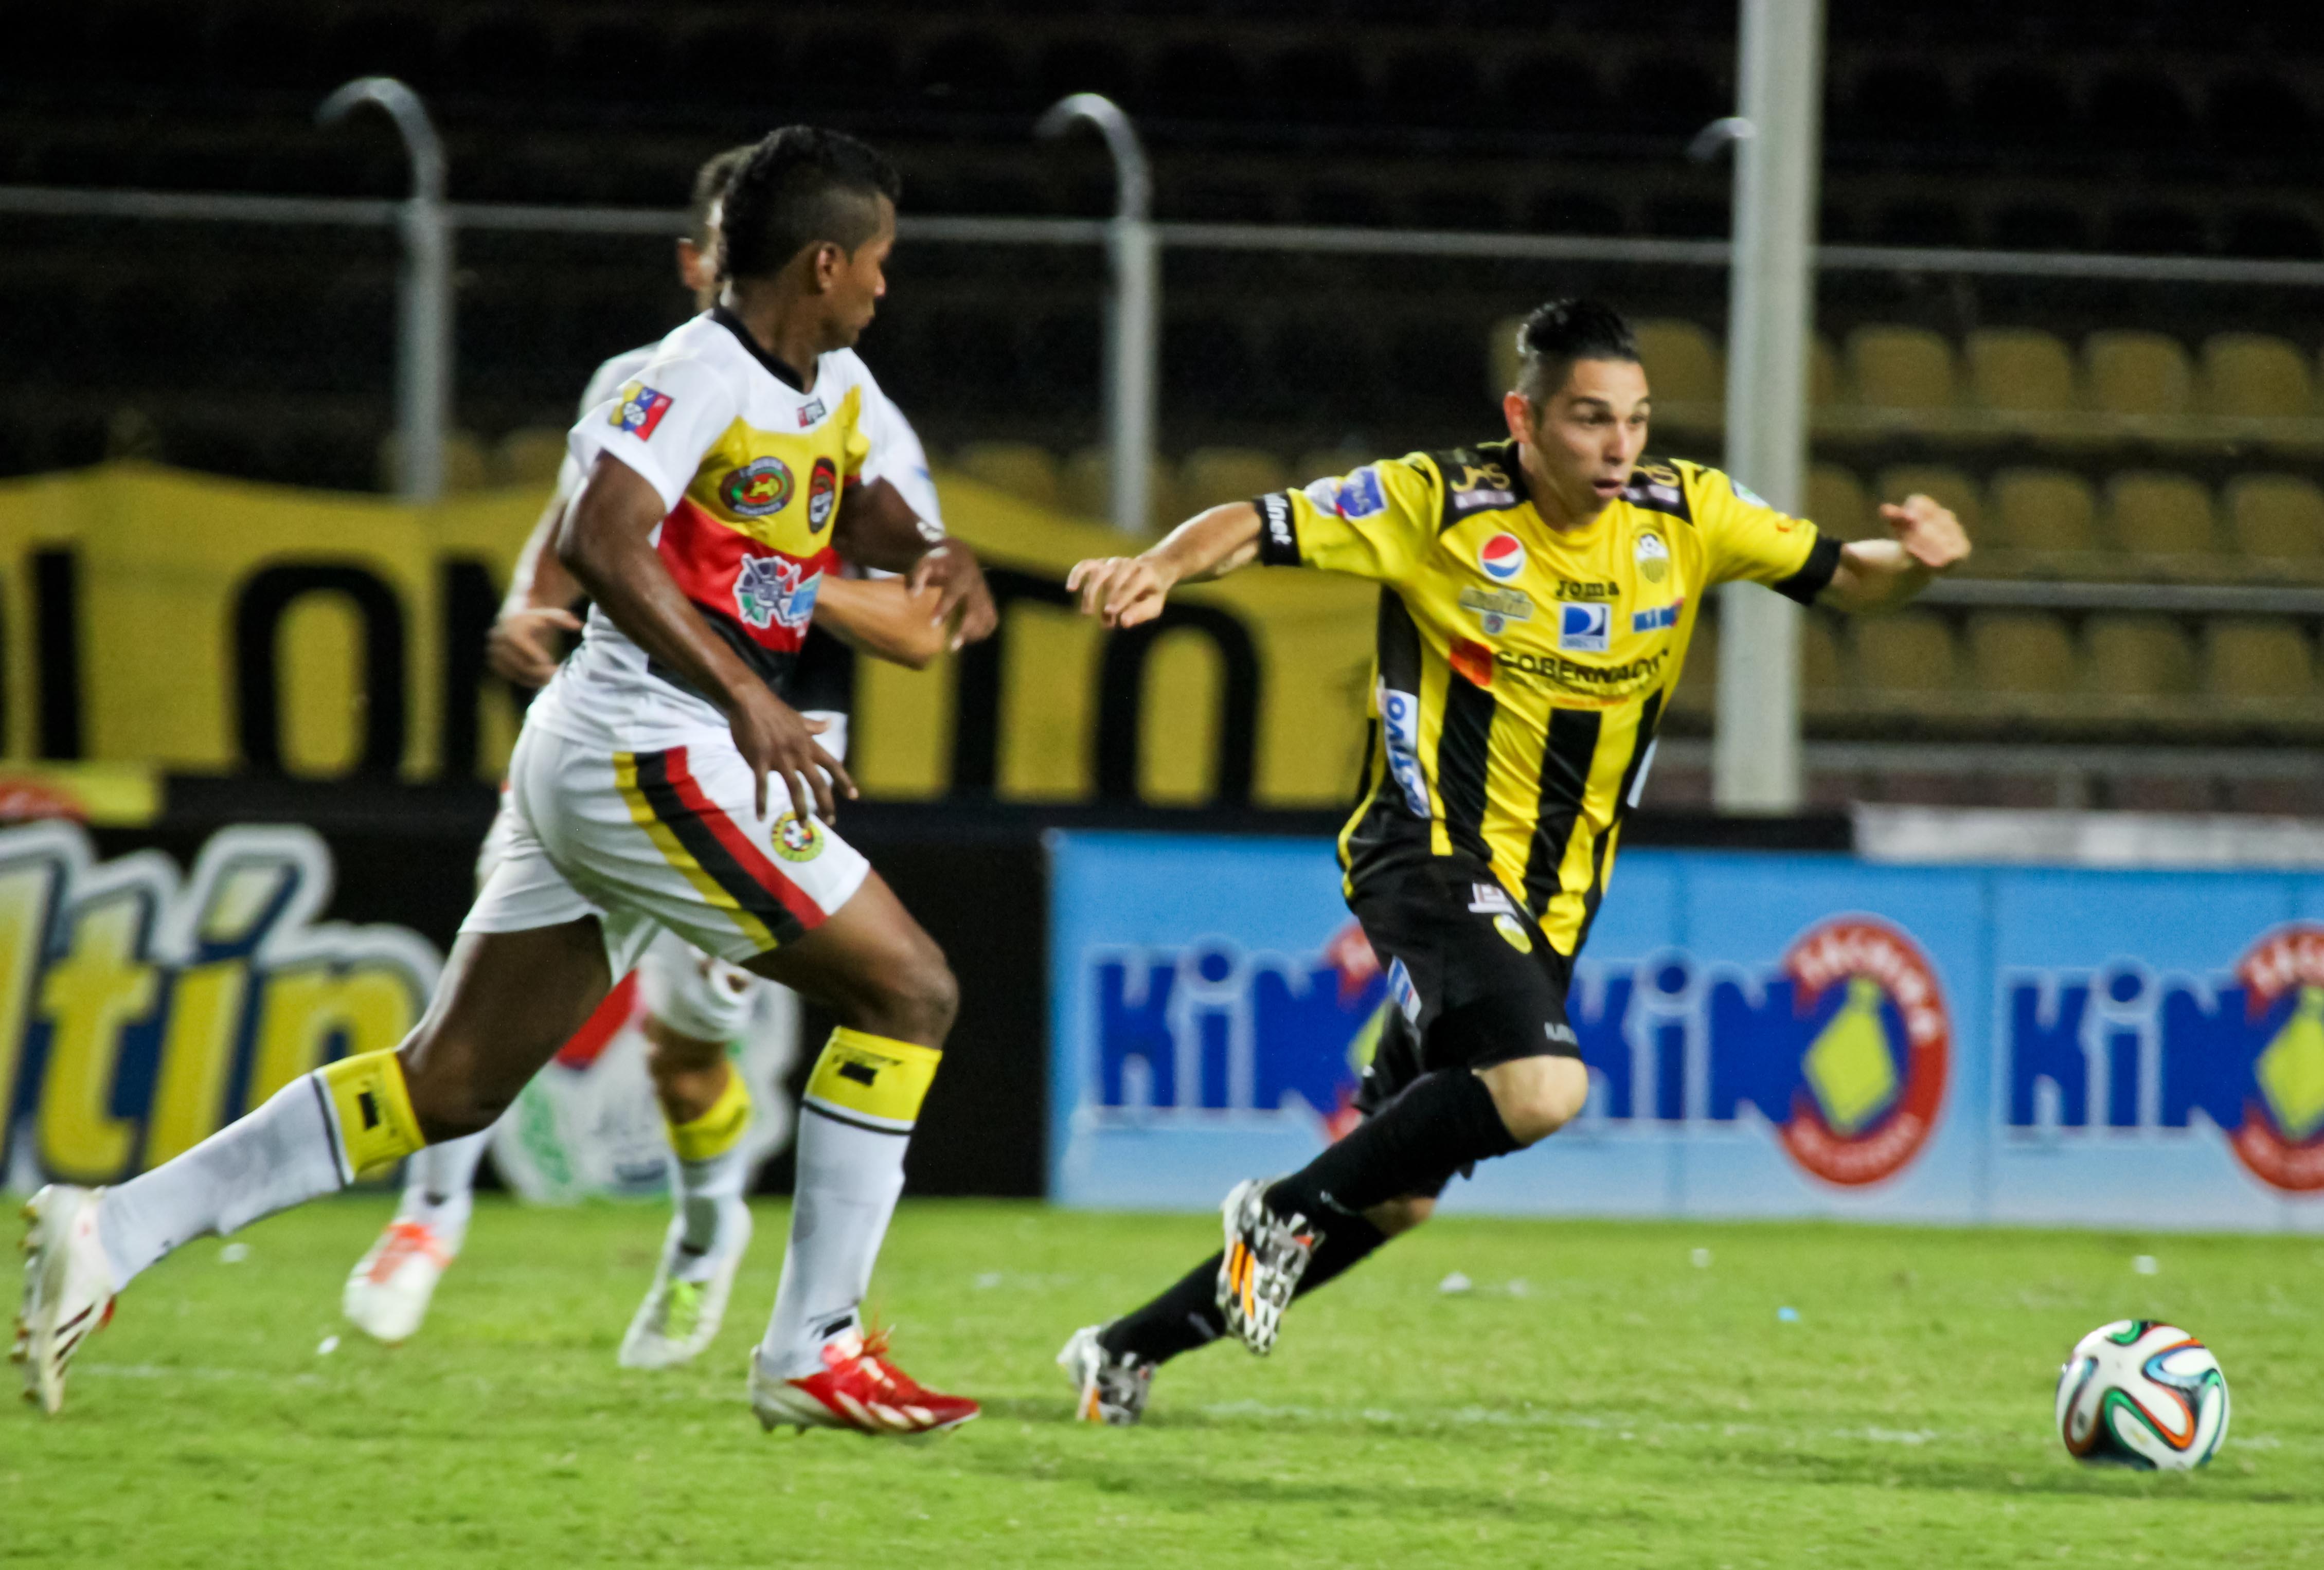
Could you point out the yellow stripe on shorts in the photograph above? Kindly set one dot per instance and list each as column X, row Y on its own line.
column 673, row 851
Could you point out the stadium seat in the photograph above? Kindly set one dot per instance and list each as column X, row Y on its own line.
column 1897, row 367
column 1837, row 504
column 2136, row 372
column 1682, row 364
column 2277, row 518
column 2020, row 371
column 1910, row 651
column 529, row 455
column 2138, row 657
column 2245, row 657
column 2154, row 514
column 1086, row 489
column 2042, row 510
column 1211, row 476
column 2254, row 376
column 1949, row 486
column 2021, row 651
column 1824, row 372
column 1026, row 470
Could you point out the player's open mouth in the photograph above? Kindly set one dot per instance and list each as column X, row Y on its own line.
column 1606, row 489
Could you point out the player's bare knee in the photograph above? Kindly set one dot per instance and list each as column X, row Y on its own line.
column 1536, row 1097
column 447, row 1102
column 1397, row 1217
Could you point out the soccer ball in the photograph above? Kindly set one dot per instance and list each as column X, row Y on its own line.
column 2141, row 1394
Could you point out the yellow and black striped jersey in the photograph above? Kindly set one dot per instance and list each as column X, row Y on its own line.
column 1521, row 670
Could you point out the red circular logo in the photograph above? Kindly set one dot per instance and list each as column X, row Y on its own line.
column 2281, row 1139
column 1875, row 1072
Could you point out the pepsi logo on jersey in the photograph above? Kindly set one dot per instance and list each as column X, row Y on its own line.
column 1503, row 558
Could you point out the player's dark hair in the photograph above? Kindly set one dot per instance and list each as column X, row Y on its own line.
column 710, row 183
column 1556, row 334
column 802, row 186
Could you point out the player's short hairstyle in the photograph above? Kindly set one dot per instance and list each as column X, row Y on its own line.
column 1556, row 334
column 802, row 186
column 710, row 183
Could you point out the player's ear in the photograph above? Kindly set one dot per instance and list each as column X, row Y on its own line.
column 693, row 266
column 1518, row 409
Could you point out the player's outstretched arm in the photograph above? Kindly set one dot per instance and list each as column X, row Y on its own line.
column 882, row 617
column 538, row 605
column 877, row 528
column 604, row 544
column 1876, row 575
column 1125, row 590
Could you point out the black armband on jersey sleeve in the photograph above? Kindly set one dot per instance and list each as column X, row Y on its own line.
column 1278, row 540
column 1814, row 573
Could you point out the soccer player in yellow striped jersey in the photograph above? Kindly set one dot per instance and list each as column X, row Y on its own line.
column 1538, row 596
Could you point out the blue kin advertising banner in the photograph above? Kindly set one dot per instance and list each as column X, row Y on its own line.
column 1768, row 1035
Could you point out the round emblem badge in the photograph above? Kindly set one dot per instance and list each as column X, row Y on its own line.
column 1653, row 558
column 1512, row 932
column 797, row 838
column 759, row 487
column 1874, row 1070
column 822, row 493
column 1503, row 558
column 2281, row 1139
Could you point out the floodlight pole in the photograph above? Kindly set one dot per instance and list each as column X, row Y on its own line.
column 1771, row 303
column 1132, row 312
column 423, row 336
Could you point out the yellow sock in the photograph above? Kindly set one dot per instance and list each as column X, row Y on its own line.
column 721, row 1126
column 377, row 1127
column 872, row 1081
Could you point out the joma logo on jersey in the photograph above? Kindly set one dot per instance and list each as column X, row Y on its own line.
column 1503, row 557
column 1567, row 589
column 775, row 590
column 759, row 488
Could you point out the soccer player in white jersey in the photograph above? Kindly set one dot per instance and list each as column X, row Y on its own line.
column 694, row 1003
column 659, row 782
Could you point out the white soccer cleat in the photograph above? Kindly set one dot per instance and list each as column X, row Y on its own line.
column 1266, row 1255
column 387, row 1292
column 67, row 1289
column 857, row 1389
column 680, row 1318
column 1111, row 1388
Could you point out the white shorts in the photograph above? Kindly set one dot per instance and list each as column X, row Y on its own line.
column 647, row 839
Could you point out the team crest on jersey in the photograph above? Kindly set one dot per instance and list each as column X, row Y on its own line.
column 797, row 838
column 1584, row 627
column 1503, row 558
column 759, row 488
column 1653, row 555
column 638, row 410
column 822, row 493
column 776, row 592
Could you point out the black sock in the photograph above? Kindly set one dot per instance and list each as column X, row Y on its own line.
column 1442, row 1122
column 1188, row 1316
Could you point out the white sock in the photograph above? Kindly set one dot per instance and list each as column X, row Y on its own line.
column 849, row 1179
column 707, row 1194
column 283, row 1155
column 440, row 1187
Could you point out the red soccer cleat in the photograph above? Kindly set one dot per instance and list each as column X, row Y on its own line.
column 859, row 1389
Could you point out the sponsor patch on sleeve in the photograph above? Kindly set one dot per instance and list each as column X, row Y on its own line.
column 638, row 409
column 1360, row 494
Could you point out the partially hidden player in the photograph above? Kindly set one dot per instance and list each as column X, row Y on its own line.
column 1536, row 598
column 694, row 1003
column 659, row 782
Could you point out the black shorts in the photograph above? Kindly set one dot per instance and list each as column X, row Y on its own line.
column 1471, row 980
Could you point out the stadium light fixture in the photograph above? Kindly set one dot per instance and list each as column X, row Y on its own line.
column 423, row 337
column 1132, row 312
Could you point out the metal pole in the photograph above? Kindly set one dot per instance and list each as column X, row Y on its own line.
column 1756, row 746
column 1133, row 310
column 423, row 338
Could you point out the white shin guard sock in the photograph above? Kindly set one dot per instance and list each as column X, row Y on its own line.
column 439, row 1186
column 849, row 1181
column 283, row 1155
column 707, row 1194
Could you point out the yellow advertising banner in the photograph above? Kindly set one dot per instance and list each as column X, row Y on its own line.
column 184, row 622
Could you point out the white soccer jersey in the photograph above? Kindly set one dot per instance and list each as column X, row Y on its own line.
column 753, row 471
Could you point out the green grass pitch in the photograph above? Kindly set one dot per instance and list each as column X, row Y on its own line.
column 1596, row 1397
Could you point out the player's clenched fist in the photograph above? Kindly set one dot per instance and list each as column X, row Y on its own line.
column 1929, row 532
column 1122, row 590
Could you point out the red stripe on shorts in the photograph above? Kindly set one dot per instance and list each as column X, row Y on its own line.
column 736, row 843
